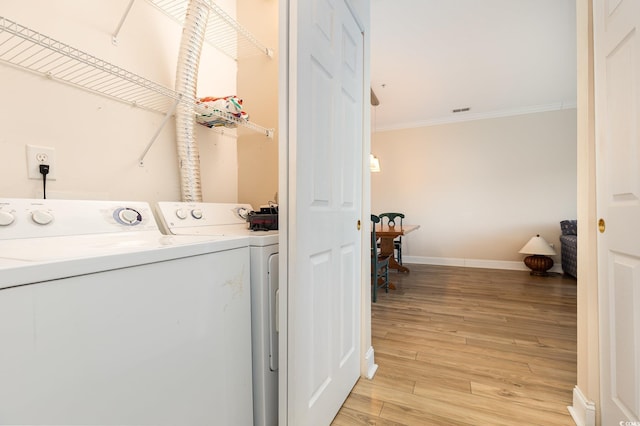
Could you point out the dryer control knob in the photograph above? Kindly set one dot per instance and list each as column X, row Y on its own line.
column 181, row 213
column 129, row 216
column 6, row 218
column 41, row 217
column 197, row 214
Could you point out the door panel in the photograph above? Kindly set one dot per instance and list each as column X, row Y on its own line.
column 348, row 297
column 318, row 321
column 617, row 84
column 325, row 192
column 624, row 349
column 321, row 132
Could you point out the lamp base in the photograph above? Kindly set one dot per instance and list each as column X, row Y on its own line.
column 539, row 264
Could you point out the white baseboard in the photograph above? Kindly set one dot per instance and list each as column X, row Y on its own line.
column 582, row 411
column 372, row 367
column 474, row 263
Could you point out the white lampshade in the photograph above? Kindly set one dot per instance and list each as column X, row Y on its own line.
column 537, row 245
column 374, row 163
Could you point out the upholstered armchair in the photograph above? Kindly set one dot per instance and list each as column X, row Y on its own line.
column 569, row 246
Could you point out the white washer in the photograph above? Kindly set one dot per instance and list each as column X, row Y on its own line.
column 225, row 219
column 105, row 320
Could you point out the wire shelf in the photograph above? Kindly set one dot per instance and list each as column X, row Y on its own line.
column 232, row 121
column 29, row 50
column 35, row 52
column 222, row 32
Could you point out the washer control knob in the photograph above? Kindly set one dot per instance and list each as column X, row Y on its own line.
column 129, row 216
column 196, row 213
column 41, row 217
column 181, row 213
column 6, row 218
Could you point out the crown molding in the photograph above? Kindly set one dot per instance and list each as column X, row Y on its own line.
column 480, row 116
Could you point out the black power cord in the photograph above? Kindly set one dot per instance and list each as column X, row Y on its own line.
column 44, row 171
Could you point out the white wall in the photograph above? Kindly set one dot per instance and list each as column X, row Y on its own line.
column 258, row 86
column 479, row 189
column 98, row 140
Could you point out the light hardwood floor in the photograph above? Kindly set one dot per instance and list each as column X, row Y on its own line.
column 466, row 346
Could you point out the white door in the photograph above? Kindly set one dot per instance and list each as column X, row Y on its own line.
column 617, row 74
column 325, row 116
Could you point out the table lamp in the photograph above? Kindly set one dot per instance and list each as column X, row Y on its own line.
column 538, row 262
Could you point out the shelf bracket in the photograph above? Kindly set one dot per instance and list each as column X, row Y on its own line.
column 155, row 136
column 114, row 37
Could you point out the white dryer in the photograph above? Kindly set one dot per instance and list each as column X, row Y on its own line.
column 105, row 320
column 227, row 219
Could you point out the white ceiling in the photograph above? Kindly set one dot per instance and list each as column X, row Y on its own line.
column 498, row 57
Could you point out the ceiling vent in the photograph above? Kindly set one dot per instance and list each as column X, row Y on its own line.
column 465, row 109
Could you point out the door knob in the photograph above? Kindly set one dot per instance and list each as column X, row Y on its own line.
column 358, row 224
column 601, row 225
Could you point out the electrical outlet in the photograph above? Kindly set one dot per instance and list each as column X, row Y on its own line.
column 37, row 155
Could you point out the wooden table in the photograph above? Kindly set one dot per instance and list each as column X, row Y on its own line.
column 387, row 234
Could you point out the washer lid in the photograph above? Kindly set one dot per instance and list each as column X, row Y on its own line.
column 32, row 260
column 256, row 238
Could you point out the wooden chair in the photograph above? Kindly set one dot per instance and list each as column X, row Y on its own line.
column 379, row 263
column 391, row 221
